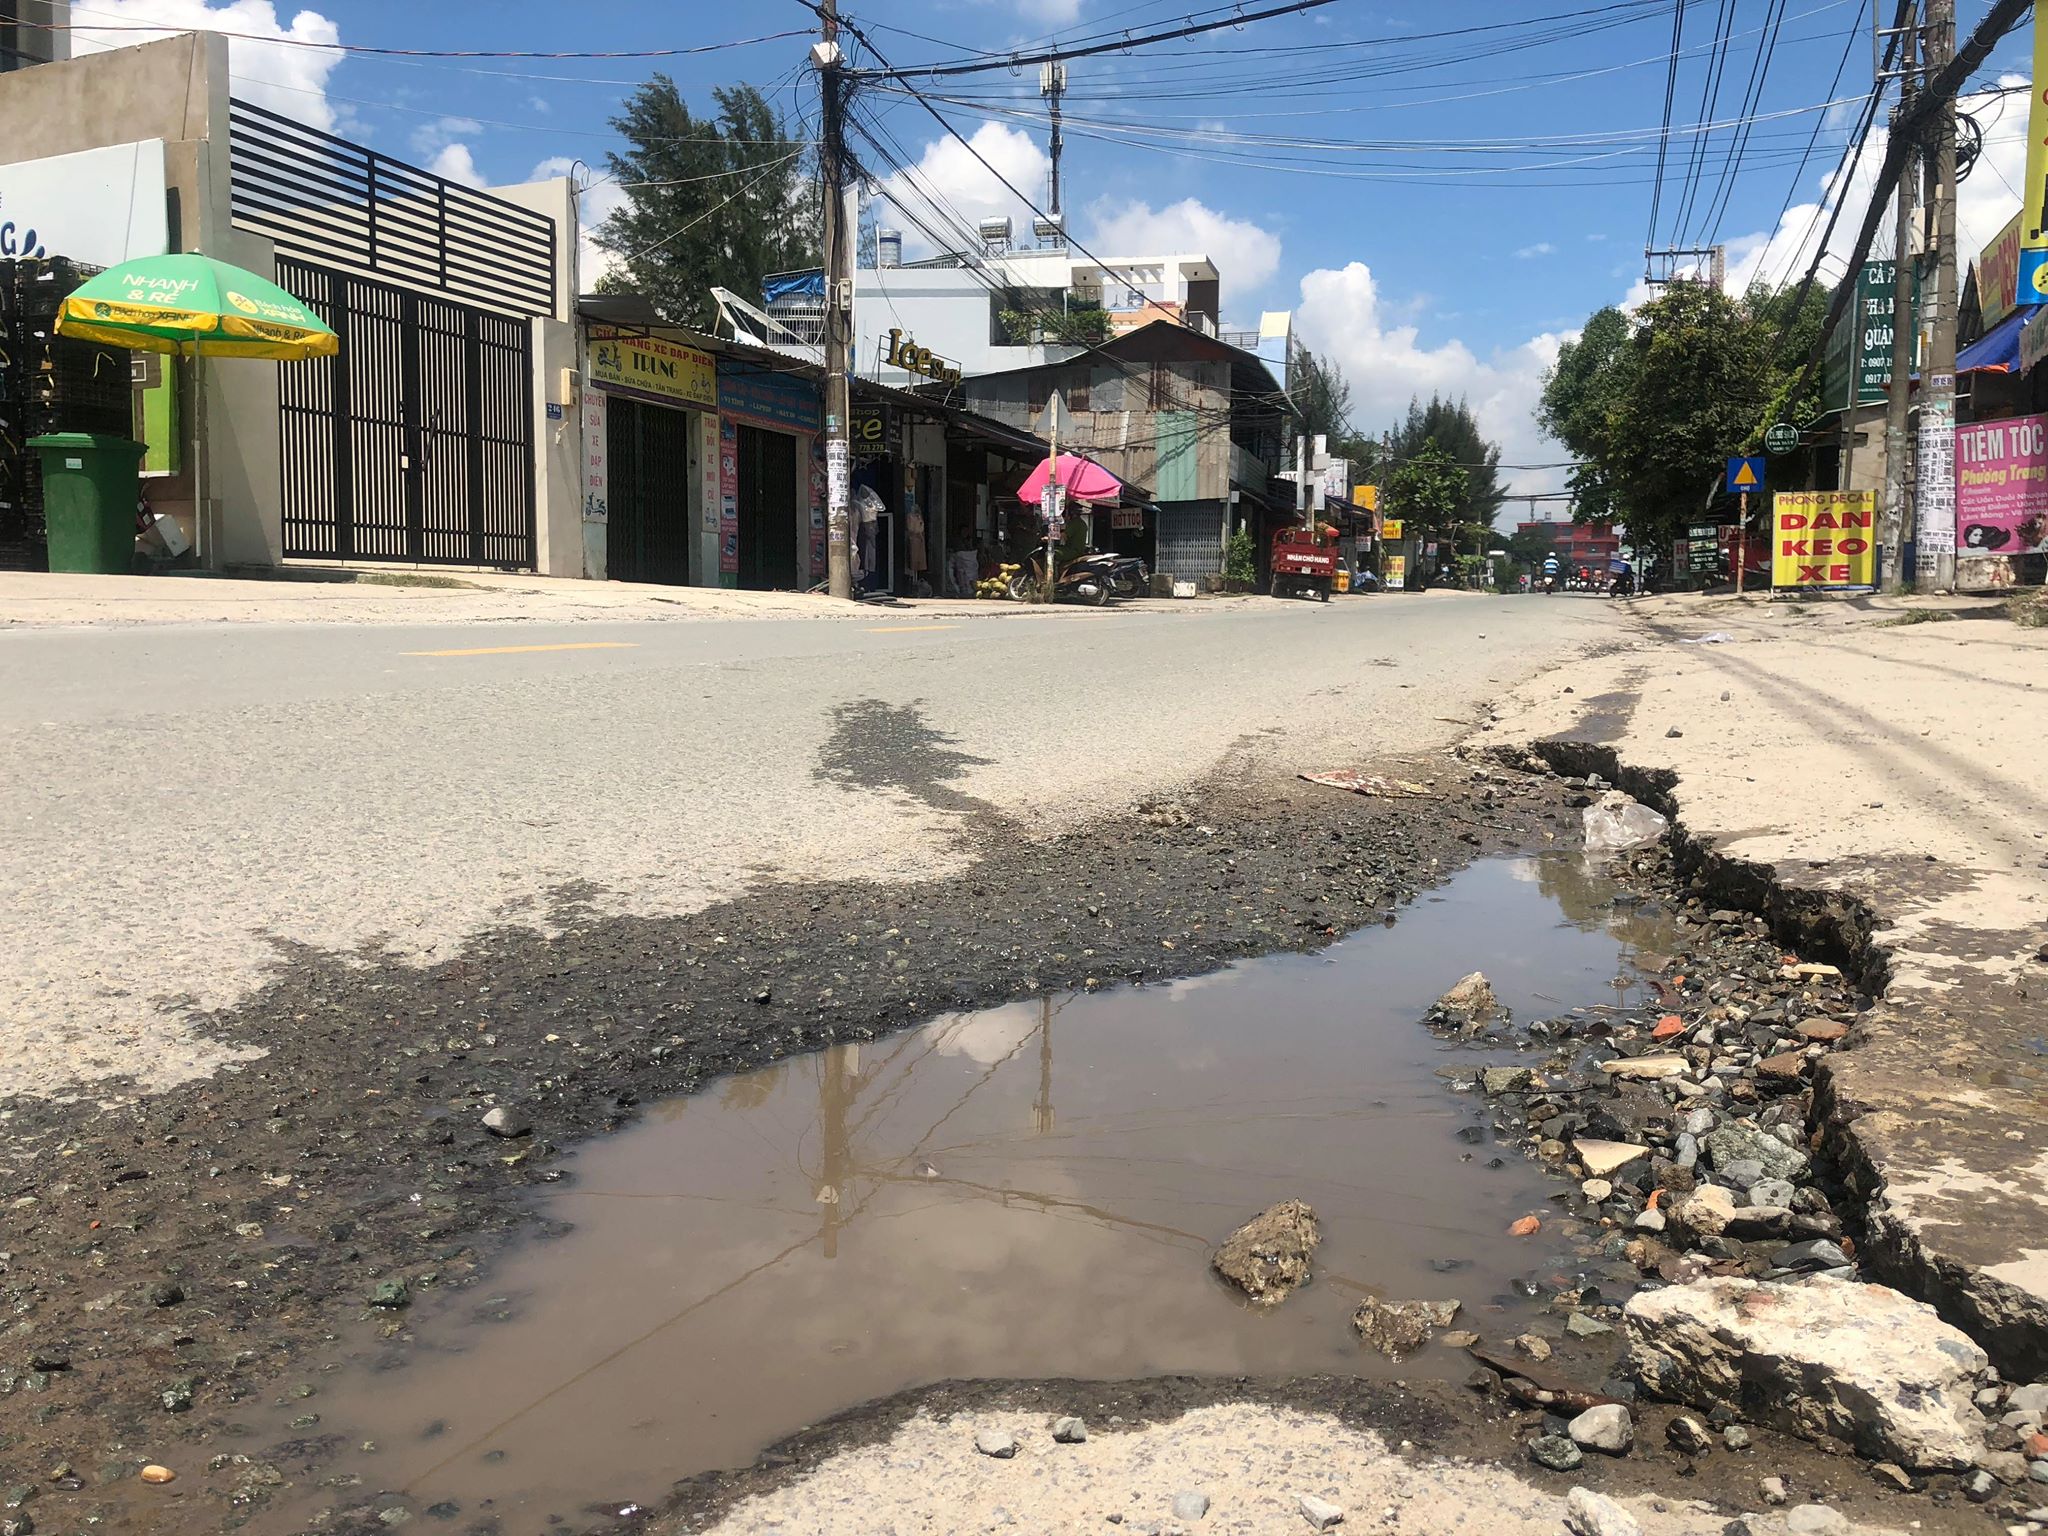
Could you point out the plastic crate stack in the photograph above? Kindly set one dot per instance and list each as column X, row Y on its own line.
column 48, row 383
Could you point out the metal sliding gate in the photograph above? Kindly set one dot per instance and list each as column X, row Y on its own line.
column 415, row 442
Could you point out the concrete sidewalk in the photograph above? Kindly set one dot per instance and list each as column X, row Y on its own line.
column 403, row 595
column 1862, row 748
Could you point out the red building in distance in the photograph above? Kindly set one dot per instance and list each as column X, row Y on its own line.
column 1587, row 545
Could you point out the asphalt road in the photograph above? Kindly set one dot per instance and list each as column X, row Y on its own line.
column 186, row 805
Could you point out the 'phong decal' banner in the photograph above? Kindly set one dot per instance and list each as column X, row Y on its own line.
column 1824, row 539
column 2033, row 276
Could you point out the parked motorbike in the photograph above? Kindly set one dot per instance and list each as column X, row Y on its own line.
column 1079, row 582
column 1124, row 575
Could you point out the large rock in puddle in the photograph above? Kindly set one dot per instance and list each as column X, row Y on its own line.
column 1268, row 1256
column 1823, row 1358
column 1398, row 1328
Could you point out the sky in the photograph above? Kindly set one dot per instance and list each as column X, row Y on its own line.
column 1439, row 191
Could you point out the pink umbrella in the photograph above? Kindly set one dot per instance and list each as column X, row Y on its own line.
column 1084, row 479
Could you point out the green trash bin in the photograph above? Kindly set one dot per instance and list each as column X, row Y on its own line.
column 91, row 485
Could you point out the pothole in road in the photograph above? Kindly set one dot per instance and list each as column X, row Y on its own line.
column 1030, row 1191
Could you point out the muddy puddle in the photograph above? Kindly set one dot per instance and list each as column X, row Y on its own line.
column 1028, row 1191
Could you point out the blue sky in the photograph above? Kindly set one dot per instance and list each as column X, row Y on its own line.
column 1439, row 211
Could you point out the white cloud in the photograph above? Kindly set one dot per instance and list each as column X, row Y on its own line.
column 1245, row 255
column 1984, row 203
column 1540, row 248
column 432, row 137
column 441, row 148
column 276, row 74
column 597, row 202
column 1343, row 317
column 967, row 191
column 457, row 164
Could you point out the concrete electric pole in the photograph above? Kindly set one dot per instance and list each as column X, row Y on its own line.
column 1897, row 446
column 830, row 63
column 1936, row 530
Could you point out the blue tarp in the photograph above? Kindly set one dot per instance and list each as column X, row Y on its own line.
column 793, row 285
column 1998, row 349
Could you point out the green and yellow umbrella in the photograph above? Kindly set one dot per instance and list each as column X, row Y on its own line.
column 195, row 306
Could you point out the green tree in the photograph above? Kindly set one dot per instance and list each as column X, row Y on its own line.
column 1451, row 425
column 1526, row 547
column 1583, row 390
column 717, row 201
column 1428, row 490
column 1653, row 404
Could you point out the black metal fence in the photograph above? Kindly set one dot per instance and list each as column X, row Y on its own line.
column 326, row 200
column 414, row 442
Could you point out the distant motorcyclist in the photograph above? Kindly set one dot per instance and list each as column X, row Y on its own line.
column 1550, row 573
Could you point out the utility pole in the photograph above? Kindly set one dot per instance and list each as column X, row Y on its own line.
column 1936, row 534
column 830, row 63
column 1896, row 443
column 1052, row 85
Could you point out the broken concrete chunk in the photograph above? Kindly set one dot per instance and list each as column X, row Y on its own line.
column 1824, row 1358
column 1707, row 1211
column 995, row 1442
column 1398, row 1328
column 1744, row 1141
column 1496, row 1081
column 1591, row 1514
column 1606, row 1427
column 1268, row 1256
column 1601, row 1158
column 1321, row 1514
column 1647, row 1068
column 1470, row 999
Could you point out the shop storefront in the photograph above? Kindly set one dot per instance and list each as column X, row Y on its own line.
column 650, row 419
column 771, row 479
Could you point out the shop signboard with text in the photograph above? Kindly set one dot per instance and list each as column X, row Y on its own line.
column 652, row 369
column 2002, row 487
column 765, row 399
column 1822, row 540
column 1394, row 573
column 1862, row 343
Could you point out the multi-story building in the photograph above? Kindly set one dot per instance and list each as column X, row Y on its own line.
column 985, row 311
column 1590, row 545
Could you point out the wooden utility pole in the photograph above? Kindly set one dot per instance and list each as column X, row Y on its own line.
column 1897, row 445
column 830, row 63
column 1936, row 530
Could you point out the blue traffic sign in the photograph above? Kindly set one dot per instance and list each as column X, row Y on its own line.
column 1746, row 474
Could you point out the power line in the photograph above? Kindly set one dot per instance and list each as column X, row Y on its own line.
column 1237, row 18
column 1731, row 169
column 282, row 41
column 1791, row 191
column 1710, row 99
column 1670, row 93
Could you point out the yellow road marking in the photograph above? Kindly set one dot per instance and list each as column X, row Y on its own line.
column 909, row 629
column 521, row 650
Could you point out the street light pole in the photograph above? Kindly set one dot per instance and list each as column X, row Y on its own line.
column 830, row 63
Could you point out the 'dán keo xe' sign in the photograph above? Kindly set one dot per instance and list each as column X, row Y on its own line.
column 1824, row 539
column 905, row 353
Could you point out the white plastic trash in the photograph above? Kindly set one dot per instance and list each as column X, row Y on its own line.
column 1616, row 822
